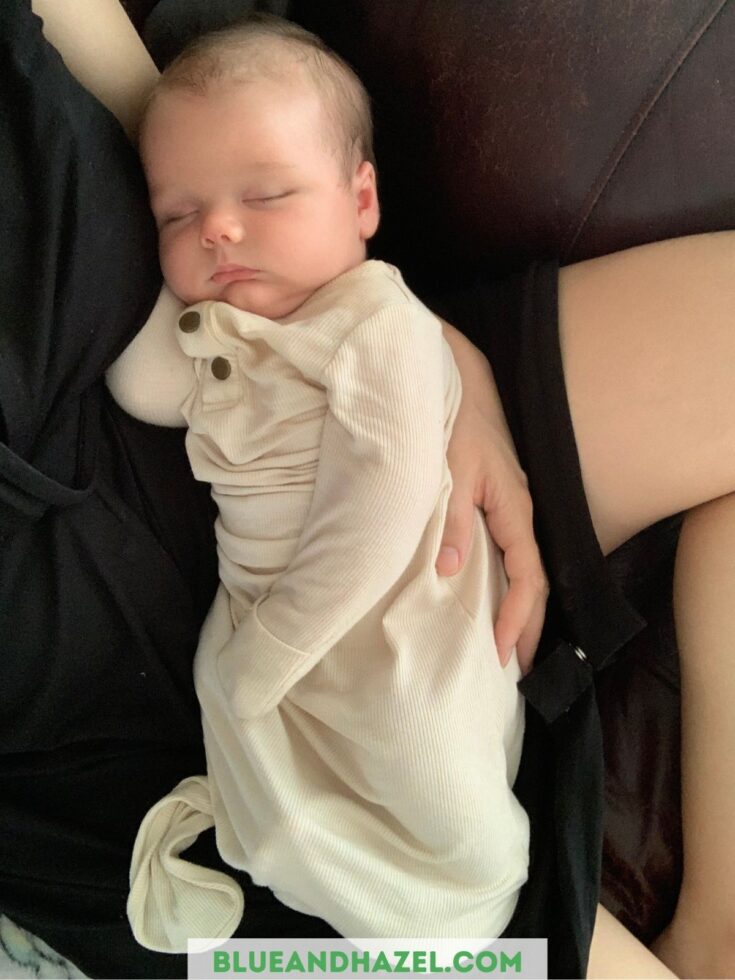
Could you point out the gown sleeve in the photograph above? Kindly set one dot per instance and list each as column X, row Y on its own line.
column 153, row 376
column 378, row 480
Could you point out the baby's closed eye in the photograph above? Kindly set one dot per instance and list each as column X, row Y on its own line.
column 171, row 218
column 266, row 200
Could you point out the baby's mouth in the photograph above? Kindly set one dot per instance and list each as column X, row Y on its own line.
column 233, row 273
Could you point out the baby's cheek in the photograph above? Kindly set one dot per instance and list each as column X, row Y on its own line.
column 165, row 256
column 177, row 269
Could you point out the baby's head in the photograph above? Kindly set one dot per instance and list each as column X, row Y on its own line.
column 257, row 147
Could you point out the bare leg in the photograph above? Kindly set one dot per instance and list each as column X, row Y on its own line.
column 617, row 953
column 648, row 342
column 701, row 939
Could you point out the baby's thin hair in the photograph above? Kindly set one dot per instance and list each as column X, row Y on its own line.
column 263, row 45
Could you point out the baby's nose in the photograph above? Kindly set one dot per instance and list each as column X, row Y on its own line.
column 221, row 227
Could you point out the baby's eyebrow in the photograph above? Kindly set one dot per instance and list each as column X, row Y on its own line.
column 159, row 189
column 162, row 197
column 260, row 167
column 271, row 165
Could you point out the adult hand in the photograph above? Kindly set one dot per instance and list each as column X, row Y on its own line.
column 486, row 473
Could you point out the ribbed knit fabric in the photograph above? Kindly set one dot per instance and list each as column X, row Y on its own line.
column 198, row 901
column 362, row 739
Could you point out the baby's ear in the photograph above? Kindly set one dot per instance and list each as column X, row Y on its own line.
column 365, row 186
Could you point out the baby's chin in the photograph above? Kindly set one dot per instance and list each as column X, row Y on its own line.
column 263, row 299
column 251, row 296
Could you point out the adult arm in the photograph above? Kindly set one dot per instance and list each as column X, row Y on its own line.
column 486, row 474
column 102, row 49
column 378, row 481
column 81, row 286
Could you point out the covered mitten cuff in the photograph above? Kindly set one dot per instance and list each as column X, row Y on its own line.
column 172, row 900
column 256, row 669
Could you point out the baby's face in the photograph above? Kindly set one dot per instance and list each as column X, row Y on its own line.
column 251, row 202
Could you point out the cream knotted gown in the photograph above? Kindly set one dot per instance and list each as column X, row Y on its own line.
column 362, row 739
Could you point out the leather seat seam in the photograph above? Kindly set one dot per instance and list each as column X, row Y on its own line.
column 637, row 121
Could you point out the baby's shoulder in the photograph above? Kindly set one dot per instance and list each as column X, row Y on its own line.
column 370, row 299
column 375, row 286
column 371, row 290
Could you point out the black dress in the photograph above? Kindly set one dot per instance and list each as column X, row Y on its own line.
column 107, row 559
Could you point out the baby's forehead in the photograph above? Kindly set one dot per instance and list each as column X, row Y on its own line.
column 276, row 75
column 288, row 85
column 173, row 130
column 274, row 95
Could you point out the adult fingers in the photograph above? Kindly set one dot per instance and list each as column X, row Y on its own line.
column 520, row 621
column 521, row 614
column 457, row 534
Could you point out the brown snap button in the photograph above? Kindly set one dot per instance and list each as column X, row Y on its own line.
column 221, row 368
column 189, row 321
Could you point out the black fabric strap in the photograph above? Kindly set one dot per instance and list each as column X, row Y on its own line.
column 557, row 681
column 591, row 614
